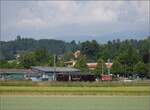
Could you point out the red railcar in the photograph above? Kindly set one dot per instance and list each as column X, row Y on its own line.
column 106, row 77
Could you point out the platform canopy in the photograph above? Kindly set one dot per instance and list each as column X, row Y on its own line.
column 54, row 69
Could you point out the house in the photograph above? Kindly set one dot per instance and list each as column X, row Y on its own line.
column 55, row 73
column 91, row 66
column 70, row 63
column 77, row 54
column 15, row 74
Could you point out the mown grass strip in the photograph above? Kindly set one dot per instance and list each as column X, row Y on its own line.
column 69, row 89
column 77, row 90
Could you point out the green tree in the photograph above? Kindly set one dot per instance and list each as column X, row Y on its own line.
column 60, row 62
column 144, row 49
column 27, row 59
column 4, row 64
column 41, row 56
column 90, row 49
column 18, row 37
column 100, row 69
column 141, row 68
column 73, row 46
column 51, row 60
column 148, row 70
column 81, row 64
column 68, row 56
column 117, row 67
column 128, row 54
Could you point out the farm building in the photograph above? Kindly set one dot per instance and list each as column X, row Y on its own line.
column 41, row 73
column 55, row 73
column 62, row 74
column 15, row 74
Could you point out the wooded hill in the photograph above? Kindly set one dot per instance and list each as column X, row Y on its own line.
column 9, row 49
column 128, row 56
column 139, row 49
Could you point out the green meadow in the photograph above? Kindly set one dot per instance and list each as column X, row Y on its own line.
column 74, row 96
column 133, row 90
column 75, row 102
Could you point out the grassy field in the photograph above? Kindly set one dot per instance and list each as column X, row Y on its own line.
column 75, row 88
column 15, row 95
column 75, row 102
column 133, row 90
column 75, row 84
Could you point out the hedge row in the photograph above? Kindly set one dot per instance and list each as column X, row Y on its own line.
column 75, row 84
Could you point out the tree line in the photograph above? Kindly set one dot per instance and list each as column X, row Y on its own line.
column 128, row 56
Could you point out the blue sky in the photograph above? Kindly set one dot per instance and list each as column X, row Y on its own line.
column 75, row 20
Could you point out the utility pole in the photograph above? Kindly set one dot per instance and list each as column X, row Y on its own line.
column 54, row 76
column 54, row 60
column 102, row 68
column 108, row 67
column 125, row 70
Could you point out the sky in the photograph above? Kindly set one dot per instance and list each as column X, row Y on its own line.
column 74, row 20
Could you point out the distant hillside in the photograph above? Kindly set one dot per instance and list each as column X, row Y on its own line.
column 92, row 49
column 10, row 48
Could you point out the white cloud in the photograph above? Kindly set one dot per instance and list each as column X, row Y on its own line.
column 69, row 12
column 32, row 23
column 98, row 17
column 58, row 13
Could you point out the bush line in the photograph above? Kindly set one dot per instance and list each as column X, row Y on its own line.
column 74, row 84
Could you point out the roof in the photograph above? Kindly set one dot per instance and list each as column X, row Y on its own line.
column 15, row 71
column 69, row 62
column 92, row 65
column 55, row 69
